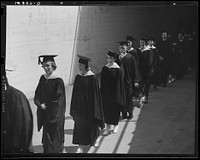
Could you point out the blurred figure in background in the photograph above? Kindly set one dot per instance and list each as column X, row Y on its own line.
column 17, row 120
column 165, row 50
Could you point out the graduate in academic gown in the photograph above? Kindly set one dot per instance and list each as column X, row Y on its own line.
column 17, row 121
column 112, row 91
column 156, row 62
column 145, row 65
column 131, row 49
column 131, row 76
column 165, row 50
column 51, row 102
column 86, row 107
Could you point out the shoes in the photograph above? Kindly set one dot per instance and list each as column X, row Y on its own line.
column 79, row 150
column 63, row 151
column 97, row 142
column 115, row 129
column 124, row 116
column 130, row 116
column 107, row 130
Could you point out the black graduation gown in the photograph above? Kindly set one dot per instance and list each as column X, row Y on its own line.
column 156, row 66
column 131, row 75
column 86, row 110
column 165, row 50
column 134, row 54
column 146, row 64
column 17, row 123
column 52, row 93
column 113, row 94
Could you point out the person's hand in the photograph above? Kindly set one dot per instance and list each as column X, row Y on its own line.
column 136, row 84
column 43, row 106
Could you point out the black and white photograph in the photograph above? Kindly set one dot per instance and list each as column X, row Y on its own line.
column 99, row 79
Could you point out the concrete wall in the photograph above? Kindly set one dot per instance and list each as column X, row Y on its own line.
column 34, row 31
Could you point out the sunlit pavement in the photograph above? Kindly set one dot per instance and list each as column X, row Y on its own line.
column 166, row 125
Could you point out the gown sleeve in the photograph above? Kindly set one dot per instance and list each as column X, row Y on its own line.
column 97, row 102
column 40, row 112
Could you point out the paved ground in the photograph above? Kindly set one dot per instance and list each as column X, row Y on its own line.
column 166, row 125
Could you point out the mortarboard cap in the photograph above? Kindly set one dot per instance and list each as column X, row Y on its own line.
column 151, row 38
column 130, row 38
column 144, row 38
column 121, row 43
column 84, row 60
column 46, row 58
column 111, row 53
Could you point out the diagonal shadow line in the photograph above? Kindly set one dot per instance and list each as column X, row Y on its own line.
column 120, row 138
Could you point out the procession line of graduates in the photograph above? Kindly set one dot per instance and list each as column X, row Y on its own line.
column 95, row 106
column 126, row 76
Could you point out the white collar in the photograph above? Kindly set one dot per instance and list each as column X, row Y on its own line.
column 114, row 65
column 52, row 76
column 152, row 47
column 145, row 49
column 131, row 49
column 89, row 73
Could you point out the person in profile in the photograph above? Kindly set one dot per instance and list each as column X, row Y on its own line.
column 131, row 75
column 112, row 92
column 131, row 50
column 50, row 100
column 17, row 120
column 86, row 107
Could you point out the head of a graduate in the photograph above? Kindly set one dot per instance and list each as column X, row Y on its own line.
column 111, row 57
column 164, row 35
column 129, row 41
column 123, row 46
column 48, row 63
column 83, row 63
column 143, row 41
column 151, row 41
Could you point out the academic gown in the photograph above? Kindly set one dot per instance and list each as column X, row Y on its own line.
column 146, row 63
column 17, row 123
column 51, row 91
column 156, row 65
column 86, row 109
column 134, row 53
column 113, row 93
column 165, row 50
column 131, row 75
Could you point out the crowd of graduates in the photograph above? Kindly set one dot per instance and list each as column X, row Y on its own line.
column 125, row 83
